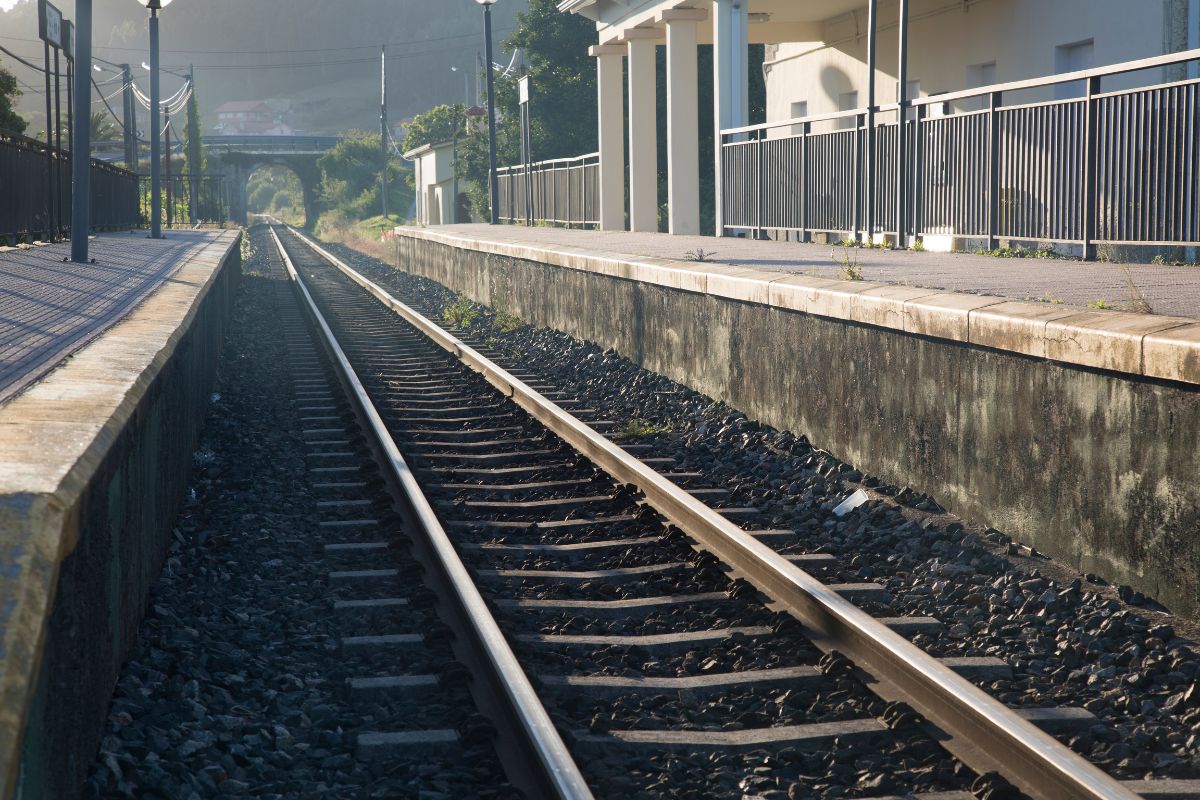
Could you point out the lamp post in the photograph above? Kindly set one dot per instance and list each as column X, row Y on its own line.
column 491, row 103
column 81, row 133
column 155, row 177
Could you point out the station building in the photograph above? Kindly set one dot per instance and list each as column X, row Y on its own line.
column 834, row 66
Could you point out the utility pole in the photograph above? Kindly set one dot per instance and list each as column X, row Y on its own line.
column 383, row 128
column 129, row 121
column 494, row 216
column 167, row 165
column 193, row 156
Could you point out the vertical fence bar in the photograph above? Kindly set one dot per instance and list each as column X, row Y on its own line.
column 856, row 181
column 993, row 169
column 918, row 171
column 1089, row 205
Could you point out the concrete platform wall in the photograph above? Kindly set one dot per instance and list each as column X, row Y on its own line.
column 1097, row 468
column 109, row 523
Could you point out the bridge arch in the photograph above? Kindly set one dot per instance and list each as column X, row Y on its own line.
column 237, row 157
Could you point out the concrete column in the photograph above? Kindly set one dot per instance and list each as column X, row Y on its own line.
column 610, row 61
column 731, row 83
column 643, row 130
column 683, row 108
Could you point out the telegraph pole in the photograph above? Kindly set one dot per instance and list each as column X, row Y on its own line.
column 167, row 165
column 129, row 122
column 383, row 128
column 193, row 156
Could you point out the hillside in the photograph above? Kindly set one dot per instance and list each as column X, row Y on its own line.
column 316, row 57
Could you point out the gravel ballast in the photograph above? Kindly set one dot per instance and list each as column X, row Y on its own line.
column 1070, row 639
column 237, row 686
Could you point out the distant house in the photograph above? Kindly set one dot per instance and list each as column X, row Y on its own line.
column 250, row 118
column 437, row 187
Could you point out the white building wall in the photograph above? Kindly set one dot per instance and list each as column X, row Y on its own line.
column 952, row 45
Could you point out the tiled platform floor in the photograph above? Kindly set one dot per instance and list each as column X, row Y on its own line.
column 1172, row 291
column 50, row 308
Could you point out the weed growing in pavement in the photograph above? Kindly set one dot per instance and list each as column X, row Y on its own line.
column 1137, row 302
column 1163, row 261
column 699, row 254
column 848, row 261
column 918, row 245
column 1016, row 252
column 1101, row 304
column 643, row 427
column 1057, row 301
column 461, row 313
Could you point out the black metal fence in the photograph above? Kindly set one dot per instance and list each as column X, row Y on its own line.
column 562, row 191
column 31, row 209
column 1105, row 167
column 211, row 200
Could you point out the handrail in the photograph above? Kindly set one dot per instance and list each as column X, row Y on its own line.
column 1154, row 62
column 542, row 164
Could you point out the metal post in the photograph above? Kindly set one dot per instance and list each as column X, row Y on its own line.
column 155, row 167
column 383, row 129
column 49, row 148
column 993, row 218
column 805, row 190
column 193, row 156
column 58, row 199
column 491, row 92
column 872, row 47
column 1090, row 169
column 81, row 135
column 917, row 171
column 130, row 120
column 901, row 133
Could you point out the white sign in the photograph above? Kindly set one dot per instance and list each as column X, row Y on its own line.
column 524, row 85
column 50, row 24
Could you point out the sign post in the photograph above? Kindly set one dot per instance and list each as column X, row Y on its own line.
column 526, row 147
column 50, row 30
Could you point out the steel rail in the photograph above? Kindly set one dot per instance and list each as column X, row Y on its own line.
column 977, row 728
column 555, row 773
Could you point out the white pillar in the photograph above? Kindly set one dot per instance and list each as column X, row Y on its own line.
column 683, row 109
column 611, row 97
column 731, row 84
column 643, row 130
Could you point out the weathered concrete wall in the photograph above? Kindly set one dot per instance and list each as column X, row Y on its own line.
column 1095, row 468
column 120, row 528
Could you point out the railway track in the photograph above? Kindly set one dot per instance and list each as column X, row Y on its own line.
column 625, row 635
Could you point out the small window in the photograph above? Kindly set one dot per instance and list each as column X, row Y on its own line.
column 799, row 110
column 979, row 75
column 1072, row 58
column 847, row 101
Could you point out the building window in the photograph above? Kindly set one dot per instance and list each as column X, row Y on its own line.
column 1072, row 58
column 799, row 110
column 979, row 75
column 847, row 101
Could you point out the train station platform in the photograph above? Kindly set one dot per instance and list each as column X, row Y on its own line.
column 1169, row 290
column 984, row 382
column 105, row 375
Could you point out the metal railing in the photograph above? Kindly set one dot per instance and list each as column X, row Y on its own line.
column 1104, row 167
column 29, row 170
column 211, row 193
column 561, row 191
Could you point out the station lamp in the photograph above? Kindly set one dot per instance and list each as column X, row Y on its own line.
column 154, row 6
column 491, row 112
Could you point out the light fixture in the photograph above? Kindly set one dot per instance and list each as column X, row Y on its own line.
column 758, row 17
column 155, row 5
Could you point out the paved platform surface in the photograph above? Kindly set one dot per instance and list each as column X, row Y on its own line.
column 50, row 308
column 1170, row 290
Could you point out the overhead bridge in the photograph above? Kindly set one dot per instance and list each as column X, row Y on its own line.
column 239, row 156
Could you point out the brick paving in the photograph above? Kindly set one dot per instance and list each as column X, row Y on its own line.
column 50, row 308
column 1170, row 290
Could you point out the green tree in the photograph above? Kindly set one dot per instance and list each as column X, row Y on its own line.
column 350, row 178
column 195, row 159
column 10, row 121
column 439, row 124
column 102, row 129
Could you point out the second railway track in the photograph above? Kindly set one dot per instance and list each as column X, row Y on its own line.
column 676, row 654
